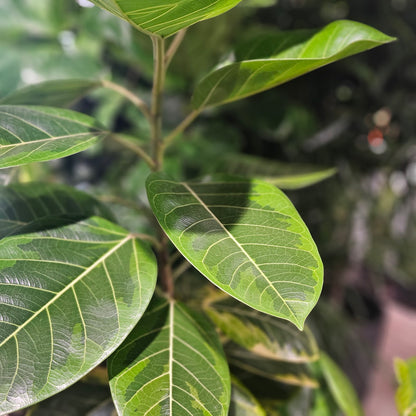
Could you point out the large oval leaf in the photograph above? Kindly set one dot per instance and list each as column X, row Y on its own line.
column 56, row 93
column 165, row 17
column 273, row 59
column 246, row 237
column 30, row 207
column 171, row 364
column 69, row 297
column 34, row 134
column 262, row 334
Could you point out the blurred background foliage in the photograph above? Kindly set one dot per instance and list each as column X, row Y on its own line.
column 357, row 116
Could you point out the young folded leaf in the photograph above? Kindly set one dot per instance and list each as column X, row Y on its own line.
column 406, row 393
column 171, row 364
column 273, row 59
column 264, row 335
column 246, row 237
column 70, row 296
column 35, row 134
column 165, row 17
column 30, row 207
column 340, row 387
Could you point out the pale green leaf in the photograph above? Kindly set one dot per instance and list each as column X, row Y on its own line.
column 171, row 364
column 340, row 387
column 56, row 93
column 295, row 374
column 30, row 207
column 246, row 237
column 69, row 297
column 243, row 403
column 406, row 393
column 34, row 134
column 262, row 334
column 281, row 174
column 273, row 59
column 165, row 17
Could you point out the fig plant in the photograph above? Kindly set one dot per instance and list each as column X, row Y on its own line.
column 76, row 288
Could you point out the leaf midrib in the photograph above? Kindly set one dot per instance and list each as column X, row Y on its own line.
column 72, row 284
column 195, row 195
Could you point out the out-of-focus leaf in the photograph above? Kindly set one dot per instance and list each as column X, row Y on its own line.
column 56, row 93
column 340, row 387
column 406, row 393
column 78, row 400
column 296, row 374
column 246, row 237
column 34, row 134
column 243, row 403
column 171, row 364
column 262, row 334
column 283, row 175
column 273, row 59
column 30, row 207
column 69, row 297
column 165, row 17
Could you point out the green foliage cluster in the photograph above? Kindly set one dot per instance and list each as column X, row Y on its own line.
column 76, row 288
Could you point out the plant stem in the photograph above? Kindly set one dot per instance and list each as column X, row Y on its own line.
column 174, row 46
column 181, row 128
column 138, row 102
column 165, row 269
column 136, row 149
column 157, row 100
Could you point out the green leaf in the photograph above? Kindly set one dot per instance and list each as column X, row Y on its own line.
column 171, row 364
column 35, row 134
column 273, row 59
column 246, row 237
column 406, row 393
column 295, row 374
column 69, row 297
column 30, row 207
column 165, row 17
column 57, row 93
column 263, row 335
column 341, row 389
column 243, row 403
column 283, row 175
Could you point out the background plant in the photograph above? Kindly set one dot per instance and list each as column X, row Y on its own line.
column 105, row 250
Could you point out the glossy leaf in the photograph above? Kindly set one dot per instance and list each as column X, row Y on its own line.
column 68, row 299
column 171, row 364
column 283, row 175
column 30, row 207
column 165, row 17
column 406, row 393
column 243, row 403
column 263, row 335
column 35, row 134
column 340, row 387
column 56, row 93
column 295, row 374
column 273, row 59
column 246, row 237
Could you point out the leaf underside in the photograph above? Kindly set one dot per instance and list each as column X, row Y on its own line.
column 243, row 403
column 246, row 237
column 34, row 134
column 171, row 364
column 30, row 207
column 273, row 59
column 69, row 297
column 165, row 17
